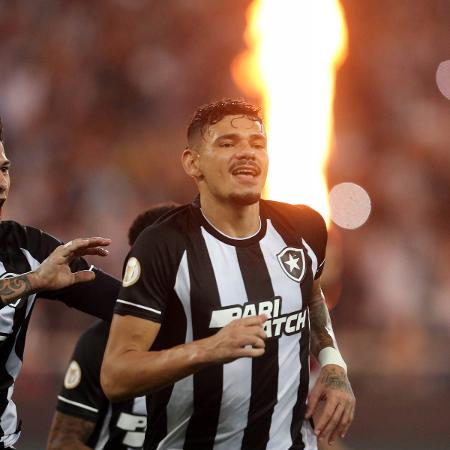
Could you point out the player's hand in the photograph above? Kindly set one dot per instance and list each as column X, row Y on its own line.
column 240, row 338
column 335, row 417
column 54, row 272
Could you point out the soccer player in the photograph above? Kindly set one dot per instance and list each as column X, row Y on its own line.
column 85, row 418
column 219, row 306
column 34, row 264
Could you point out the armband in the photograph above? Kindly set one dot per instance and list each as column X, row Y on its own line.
column 330, row 355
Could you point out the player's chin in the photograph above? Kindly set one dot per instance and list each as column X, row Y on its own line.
column 245, row 198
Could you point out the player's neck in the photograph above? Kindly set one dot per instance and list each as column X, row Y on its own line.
column 234, row 221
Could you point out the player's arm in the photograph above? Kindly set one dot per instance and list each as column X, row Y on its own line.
column 69, row 432
column 54, row 272
column 332, row 385
column 129, row 369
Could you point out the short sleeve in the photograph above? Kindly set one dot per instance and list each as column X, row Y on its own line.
column 148, row 276
column 314, row 231
column 81, row 394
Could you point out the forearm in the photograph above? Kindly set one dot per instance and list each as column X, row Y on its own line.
column 322, row 334
column 69, row 433
column 21, row 285
column 135, row 373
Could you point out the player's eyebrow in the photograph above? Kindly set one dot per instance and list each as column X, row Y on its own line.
column 5, row 164
column 236, row 137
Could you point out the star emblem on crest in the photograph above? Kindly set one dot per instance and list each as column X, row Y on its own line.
column 292, row 261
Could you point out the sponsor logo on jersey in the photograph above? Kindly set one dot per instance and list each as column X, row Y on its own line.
column 276, row 324
column 73, row 376
column 292, row 261
column 132, row 272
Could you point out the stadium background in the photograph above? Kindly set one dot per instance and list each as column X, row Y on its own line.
column 95, row 97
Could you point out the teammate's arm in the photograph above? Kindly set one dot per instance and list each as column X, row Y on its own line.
column 69, row 432
column 129, row 369
column 332, row 385
column 54, row 272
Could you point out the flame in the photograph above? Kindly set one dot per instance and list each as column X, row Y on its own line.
column 295, row 49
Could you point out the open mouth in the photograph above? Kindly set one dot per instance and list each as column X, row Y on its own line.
column 247, row 170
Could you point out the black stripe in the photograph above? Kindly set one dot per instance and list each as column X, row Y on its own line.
column 169, row 336
column 208, row 383
column 298, row 412
column 258, row 286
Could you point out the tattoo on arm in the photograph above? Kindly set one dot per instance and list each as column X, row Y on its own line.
column 13, row 288
column 69, row 433
column 321, row 329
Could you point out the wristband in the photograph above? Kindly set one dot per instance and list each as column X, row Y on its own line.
column 330, row 355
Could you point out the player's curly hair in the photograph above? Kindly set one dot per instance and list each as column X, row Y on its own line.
column 148, row 218
column 216, row 111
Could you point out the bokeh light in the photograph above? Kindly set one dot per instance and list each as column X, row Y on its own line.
column 350, row 205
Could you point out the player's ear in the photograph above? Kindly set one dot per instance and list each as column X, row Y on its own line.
column 190, row 160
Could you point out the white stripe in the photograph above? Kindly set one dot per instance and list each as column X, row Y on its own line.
column 13, row 365
column 103, row 436
column 288, row 346
column 237, row 375
column 308, row 436
column 180, row 406
column 81, row 405
column 313, row 257
column 138, row 306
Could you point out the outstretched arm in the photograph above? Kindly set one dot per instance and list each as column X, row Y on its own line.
column 332, row 385
column 129, row 369
column 54, row 272
column 69, row 432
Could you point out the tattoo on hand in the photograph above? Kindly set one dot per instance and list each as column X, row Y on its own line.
column 335, row 380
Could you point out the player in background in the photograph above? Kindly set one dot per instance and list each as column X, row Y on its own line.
column 34, row 264
column 85, row 419
column 226, row 295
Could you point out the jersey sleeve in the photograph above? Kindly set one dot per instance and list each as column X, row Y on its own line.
column 314, row 231
column 81, row 394
column 148, row 276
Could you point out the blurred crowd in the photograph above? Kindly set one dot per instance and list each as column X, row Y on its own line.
column 95, row 98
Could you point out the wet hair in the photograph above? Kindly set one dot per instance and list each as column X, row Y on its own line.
column 148, row 218
column 1, row 130
column 215, row 112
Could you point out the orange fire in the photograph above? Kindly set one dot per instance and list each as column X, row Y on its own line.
column 295, row 49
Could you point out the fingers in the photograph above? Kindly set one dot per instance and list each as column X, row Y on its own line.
column 347, row 419
column 325, row 417
column 83, row 275
column 332, row 427
column 313, row 400
column 84, row 246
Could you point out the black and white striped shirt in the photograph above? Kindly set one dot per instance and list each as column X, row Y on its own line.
column 191, row 278
column 22, row 249
column 118, row 426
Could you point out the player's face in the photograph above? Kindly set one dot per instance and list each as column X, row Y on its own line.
column 232, row 160
column 4, row 177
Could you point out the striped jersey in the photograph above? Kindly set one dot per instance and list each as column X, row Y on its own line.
column 22, row 249
column 118, row 426
column 192, row 279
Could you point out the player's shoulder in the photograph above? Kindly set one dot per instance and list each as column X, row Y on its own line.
column 301, row 214
column 25, row 235
column 169, row 227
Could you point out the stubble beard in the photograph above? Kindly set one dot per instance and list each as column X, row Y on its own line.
column 246, row 199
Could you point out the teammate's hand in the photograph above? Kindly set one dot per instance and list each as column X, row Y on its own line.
column 54, row 272
column 333, row 388
column 240, row 338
